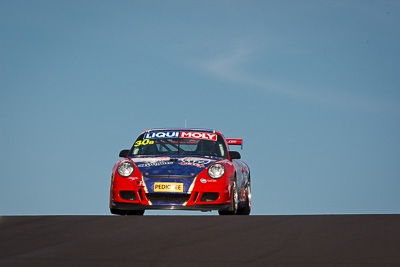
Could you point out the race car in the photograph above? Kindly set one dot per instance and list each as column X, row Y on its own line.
column 181, row 169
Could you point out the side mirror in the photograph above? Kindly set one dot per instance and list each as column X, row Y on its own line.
column 124, row 153
column 234, row 155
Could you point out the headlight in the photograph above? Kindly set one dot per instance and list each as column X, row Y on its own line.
column 216, row 170
column 125, row 169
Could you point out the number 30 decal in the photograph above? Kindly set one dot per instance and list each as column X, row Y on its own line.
column 143, row 142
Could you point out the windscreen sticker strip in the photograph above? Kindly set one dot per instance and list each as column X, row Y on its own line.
column 195, row 135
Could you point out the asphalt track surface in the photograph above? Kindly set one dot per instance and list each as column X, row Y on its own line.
column 309, row 240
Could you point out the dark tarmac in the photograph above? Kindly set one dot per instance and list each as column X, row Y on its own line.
column 300, row 240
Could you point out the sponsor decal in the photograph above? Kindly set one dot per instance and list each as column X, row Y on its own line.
column 236, row 141
column 172, row 134
column 143, row 142
column 153, row 164
column 146, row 160
column 168, row 187
column 197, row 135
column 154, row 135
column 200, row 163
column 203, row 180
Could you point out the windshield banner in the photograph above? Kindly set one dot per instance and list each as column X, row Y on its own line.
column 195, row 135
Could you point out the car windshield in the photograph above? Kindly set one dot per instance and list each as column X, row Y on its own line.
column 147, row 145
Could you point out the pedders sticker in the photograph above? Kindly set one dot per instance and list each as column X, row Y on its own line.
column 168, row 187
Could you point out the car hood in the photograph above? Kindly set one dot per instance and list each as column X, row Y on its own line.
column 173, row 166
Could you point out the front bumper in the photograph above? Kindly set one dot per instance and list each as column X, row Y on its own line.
column 208, row 197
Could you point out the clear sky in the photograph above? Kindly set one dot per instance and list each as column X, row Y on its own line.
column 313, row 88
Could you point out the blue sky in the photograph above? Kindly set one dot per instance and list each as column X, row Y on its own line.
column 311, row 86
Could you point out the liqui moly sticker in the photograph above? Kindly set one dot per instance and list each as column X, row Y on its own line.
column 154, row 135
column 197, row 135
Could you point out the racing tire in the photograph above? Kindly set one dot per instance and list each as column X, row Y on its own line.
column 247, row 206
column 126, row 212
column 234, row 203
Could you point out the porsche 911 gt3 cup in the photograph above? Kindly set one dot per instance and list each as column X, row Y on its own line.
column 181, row 169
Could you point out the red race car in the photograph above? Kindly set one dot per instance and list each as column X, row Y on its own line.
column 181, row 169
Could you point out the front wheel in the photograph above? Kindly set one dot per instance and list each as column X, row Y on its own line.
column 234, row 203
column 247, row 206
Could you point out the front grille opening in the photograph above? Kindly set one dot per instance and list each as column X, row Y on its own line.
column 167, row 198
column 140, row 194
column 127, row 195
column 195, row 196
column 208, row 197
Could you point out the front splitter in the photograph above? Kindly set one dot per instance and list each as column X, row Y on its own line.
column 138, row 206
